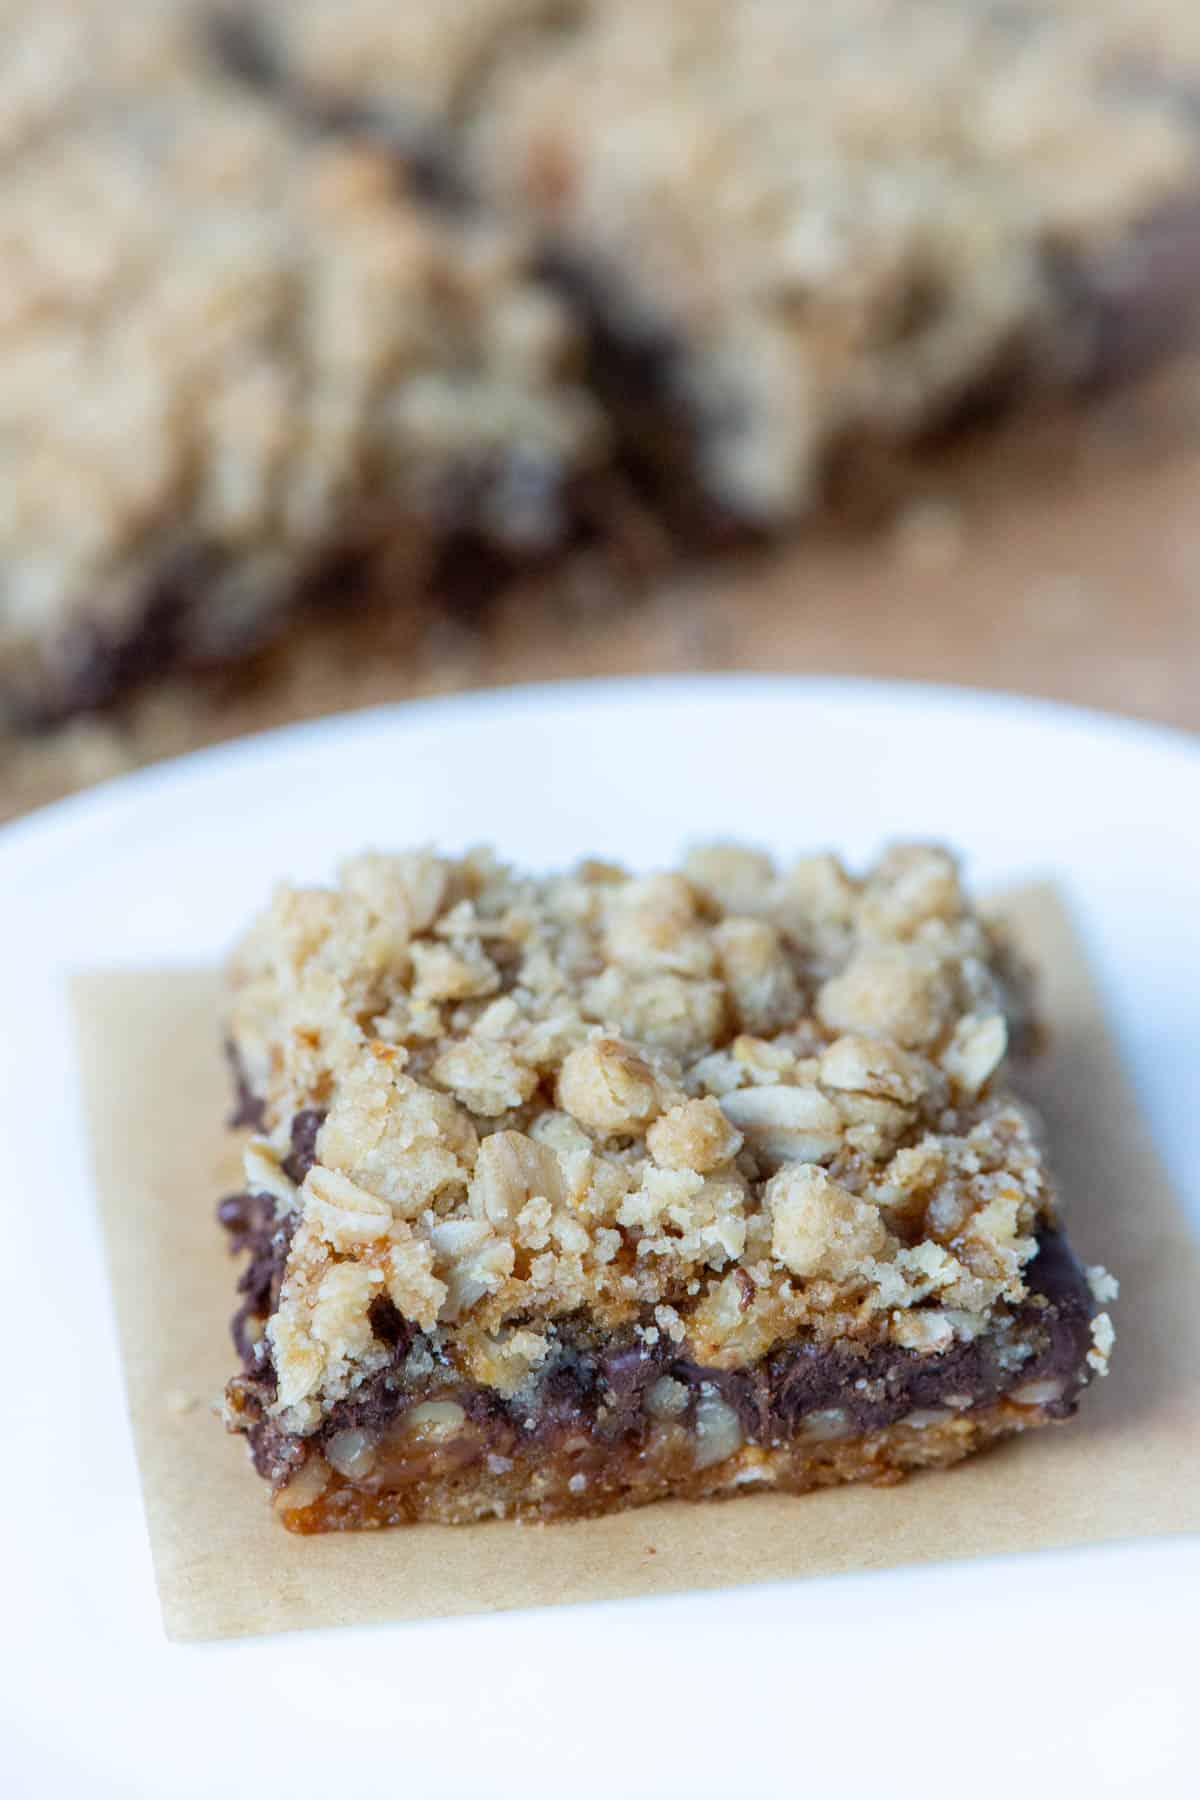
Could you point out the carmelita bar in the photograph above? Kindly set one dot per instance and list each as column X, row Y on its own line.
column 568, row 1194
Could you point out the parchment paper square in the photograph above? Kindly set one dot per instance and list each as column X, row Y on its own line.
column 1128, row 1467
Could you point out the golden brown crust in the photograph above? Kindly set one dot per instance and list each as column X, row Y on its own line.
column 540, row 1487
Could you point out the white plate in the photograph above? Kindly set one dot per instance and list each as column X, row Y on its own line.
column 1068, row 1671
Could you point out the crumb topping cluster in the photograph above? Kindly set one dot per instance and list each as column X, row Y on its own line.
column 721, row 1105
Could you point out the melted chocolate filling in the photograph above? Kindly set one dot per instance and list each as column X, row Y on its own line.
column 595, row 1386
column 303, row 1153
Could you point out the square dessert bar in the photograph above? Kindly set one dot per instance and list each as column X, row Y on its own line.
column 801, row 232
column 566, row 1194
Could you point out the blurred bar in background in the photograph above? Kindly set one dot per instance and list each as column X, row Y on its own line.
column 355, row 351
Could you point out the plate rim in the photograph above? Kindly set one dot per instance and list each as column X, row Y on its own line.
column 1140, row 1581
column 50, row 822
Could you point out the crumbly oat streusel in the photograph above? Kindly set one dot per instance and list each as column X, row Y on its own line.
column 731, row 1103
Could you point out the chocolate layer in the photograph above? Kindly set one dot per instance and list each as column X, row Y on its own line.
column 596, row 1388
column 257, row 1233
column 485, row 526
column 303, row 1154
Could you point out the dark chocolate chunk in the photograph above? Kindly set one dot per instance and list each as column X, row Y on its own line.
column 303, row 1154
column 1139, row 301
column 242, row 45
column 568, row 1397
column 630, row 1368
column 257, row 1232
column 387, row 1323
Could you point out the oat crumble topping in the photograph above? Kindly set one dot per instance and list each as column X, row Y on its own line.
column 727, row 1103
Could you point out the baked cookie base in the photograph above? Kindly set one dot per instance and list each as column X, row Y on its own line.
column 535, row 1490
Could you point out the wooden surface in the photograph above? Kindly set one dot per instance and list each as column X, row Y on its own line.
column 1060, row 558
column 1055, row 555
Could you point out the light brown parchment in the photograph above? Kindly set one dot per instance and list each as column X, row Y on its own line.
column 1129, row 1466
